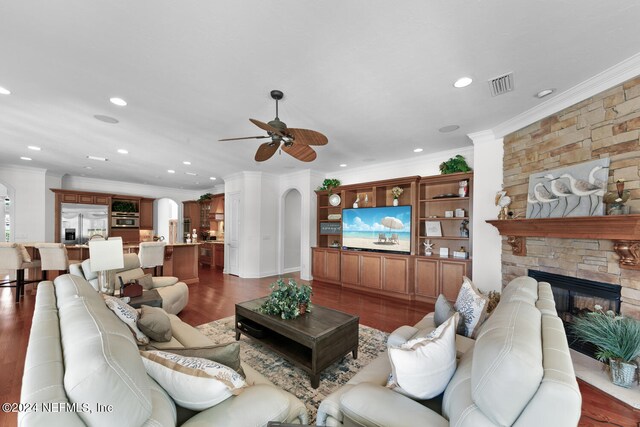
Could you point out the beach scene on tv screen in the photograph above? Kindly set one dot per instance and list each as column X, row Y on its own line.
column 384, row 228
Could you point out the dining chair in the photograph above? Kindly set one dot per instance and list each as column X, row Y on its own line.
column 151, row 255
column 14, row 257
column 54, row 257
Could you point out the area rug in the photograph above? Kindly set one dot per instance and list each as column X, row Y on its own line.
column 291, row 378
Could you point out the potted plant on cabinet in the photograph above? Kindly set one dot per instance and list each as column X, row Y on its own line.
column 396, row 192
column 617, row 339
column 454, row 165
column 329, row 184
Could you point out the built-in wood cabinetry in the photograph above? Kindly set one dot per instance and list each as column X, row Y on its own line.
column 413, row 276
column 205, row 216
column 326, row 265
column 129, row 235
column 146, row 214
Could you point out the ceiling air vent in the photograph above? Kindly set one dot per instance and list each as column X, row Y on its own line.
column 501, row 84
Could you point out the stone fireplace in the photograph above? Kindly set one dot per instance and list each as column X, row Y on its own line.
column 605, row 125
column 577, row 297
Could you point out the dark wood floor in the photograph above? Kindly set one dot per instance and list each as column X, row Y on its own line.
column 215, row 297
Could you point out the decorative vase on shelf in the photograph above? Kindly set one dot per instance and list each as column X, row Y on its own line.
column 395, row 202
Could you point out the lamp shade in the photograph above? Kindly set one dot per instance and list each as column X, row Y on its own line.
column 106, row 254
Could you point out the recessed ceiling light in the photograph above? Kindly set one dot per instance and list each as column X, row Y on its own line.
column 122, row 151
column 191, row 173
column 196, row 182
column 463, row 82
column 106, row 119
column 417, row 150
column 4, row 91
column 343, row 165
column 171, row 171
column 118, row 101
column 101, row 159
column 449, row 128
column 88, row 167
column 34, row 148
column 26, row 158
column 186, row 163
column 544, row 93
column 212, row 178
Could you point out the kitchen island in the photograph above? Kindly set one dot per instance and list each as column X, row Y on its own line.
column 180, row 259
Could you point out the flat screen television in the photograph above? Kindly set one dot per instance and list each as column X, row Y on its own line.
column 382, row 229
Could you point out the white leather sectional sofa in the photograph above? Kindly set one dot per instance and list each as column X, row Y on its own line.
column 518, row 372
column 175, row 294
column 81, row 354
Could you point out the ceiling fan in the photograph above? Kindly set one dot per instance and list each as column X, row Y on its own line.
column 295, row 142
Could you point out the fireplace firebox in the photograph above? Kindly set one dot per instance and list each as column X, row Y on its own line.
column 577, row 297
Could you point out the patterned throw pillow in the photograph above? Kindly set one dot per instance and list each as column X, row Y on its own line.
column 422, row 368
column 193, row 382
column 472, row 306
column 128, row 315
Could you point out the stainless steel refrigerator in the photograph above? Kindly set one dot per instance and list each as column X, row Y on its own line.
column 81, row 222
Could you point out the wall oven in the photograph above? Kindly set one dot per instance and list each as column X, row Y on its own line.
column 125, row 220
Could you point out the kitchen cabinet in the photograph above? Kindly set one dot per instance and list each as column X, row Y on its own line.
column 129, row 235
column 219, row 255
column 146, row 214
column 191, row 212
column 206, row 254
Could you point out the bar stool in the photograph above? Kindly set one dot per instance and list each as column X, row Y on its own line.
column 151, row 255
column 54, row 257
column 14, row 256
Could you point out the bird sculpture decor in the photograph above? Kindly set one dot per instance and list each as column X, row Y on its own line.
column 503, row 201
column 615, row 200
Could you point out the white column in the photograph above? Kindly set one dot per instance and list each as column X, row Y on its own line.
column 488, row 179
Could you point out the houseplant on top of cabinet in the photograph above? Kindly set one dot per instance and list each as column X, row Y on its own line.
column 397, row 192
column 454, row 165
column 329, row 184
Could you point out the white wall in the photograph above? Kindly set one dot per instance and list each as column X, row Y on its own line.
column 269, row 225
column 52, row 180
column 29, row 202
column 165, row 210
column 291, row 231
column 487, row 179
column 423, row 165
column 4, row 193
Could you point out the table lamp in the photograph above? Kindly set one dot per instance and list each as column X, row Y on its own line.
column 106, row 255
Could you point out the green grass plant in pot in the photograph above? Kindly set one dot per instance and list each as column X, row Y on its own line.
column 288, row 299
column 617, row 339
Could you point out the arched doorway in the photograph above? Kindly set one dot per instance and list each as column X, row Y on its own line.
column 166, row 219
column 7, row 217
column 291, row 231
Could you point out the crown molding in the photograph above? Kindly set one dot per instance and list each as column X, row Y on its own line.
column 483, row 137
column 607, row 79
column 28, row 169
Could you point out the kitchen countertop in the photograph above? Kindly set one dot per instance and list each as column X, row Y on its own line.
column 133, row 246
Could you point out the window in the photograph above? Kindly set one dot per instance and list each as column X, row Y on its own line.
column 7, row 220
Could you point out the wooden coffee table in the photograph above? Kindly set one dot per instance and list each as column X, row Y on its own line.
column 312, row 341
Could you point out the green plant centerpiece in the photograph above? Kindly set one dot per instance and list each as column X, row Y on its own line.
column 329, row 184
column 617, row 339
column 454, row 165
column 288, row 299
column 205, row 197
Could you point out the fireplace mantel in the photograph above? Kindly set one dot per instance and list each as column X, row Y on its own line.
column 623, row 230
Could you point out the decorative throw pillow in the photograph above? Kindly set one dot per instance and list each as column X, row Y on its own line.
column 154, row 323
column 472, row 306
column 145, row 281
column 422, row 368
column 443, row 311
column 128, row 315
column 227, row 354
column 193, row 382
column 25, row 254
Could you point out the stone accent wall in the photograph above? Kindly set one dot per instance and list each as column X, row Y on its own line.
column 605, row 125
